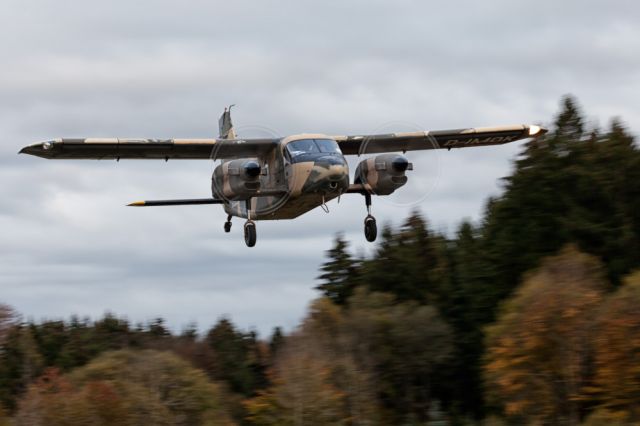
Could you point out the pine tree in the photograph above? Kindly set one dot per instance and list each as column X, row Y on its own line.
column 471, row 306
column 338, row 273
column 569, row 122
column 411, row 264
column 236, row 358
column 276, row 342
column 566, row 188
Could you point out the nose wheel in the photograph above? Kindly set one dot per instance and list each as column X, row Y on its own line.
column 227, row 224
column 370, row 226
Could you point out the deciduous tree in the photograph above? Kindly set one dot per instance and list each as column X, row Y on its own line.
column 617, row 352
column 8, row 318
column 538, row 351
column 125, row 388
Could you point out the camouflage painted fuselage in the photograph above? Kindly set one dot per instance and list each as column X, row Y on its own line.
column 283, row 178
column 290, row 185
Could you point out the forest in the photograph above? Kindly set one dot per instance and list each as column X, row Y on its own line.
column 528, row 317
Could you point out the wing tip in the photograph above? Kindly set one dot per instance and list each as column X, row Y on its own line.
column 535, row 131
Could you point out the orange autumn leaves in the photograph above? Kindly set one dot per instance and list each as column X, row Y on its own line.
column 562, row 343
column 617, row 353
column 124, row 388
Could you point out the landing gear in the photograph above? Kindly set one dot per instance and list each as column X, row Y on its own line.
column 249, row 227
column 370, row 227
column 250, row 233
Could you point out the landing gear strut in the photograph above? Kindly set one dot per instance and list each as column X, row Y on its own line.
column 370, row 227
column 227, row 224
column 250, row 235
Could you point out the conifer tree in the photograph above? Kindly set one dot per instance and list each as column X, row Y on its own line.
column 236, row 358
column 338, row 273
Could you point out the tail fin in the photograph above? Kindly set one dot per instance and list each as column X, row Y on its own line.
column 225, row 125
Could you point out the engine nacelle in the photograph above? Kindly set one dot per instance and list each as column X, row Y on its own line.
column 236, row 180
column 383, row 174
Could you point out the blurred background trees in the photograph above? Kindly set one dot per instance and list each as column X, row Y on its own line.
column 126, row 387
column 528, row 317
column 616, row 382
column 538, row 351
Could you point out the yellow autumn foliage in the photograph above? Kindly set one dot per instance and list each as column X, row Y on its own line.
column 538, row 350
column 617, row 352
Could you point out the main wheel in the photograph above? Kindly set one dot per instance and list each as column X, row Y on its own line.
column 370, row 228
column 227, row 227
column 250, row 233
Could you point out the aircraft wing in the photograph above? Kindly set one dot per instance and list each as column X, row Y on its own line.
column 459, row 138
column 102, row 148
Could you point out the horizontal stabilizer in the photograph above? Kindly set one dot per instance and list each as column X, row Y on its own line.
column 187, row 202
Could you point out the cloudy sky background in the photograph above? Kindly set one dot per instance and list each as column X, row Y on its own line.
column 157, row 68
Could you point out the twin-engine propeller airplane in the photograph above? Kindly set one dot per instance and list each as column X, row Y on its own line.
column 282, row 178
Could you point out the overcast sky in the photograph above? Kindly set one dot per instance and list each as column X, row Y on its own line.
column 157, row 68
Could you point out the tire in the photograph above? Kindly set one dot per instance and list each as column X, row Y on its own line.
column 250, row 234
column 370, row 229
column 227, row 227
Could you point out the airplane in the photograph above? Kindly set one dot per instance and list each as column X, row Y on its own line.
column 283, row 178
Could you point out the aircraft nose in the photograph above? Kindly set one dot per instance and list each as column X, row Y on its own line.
column 330, row 160
column 335, row 167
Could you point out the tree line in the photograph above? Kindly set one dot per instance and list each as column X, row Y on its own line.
column 527, row 317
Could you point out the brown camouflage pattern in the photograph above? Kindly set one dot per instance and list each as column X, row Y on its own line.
column 377, row 176
column 291, row 189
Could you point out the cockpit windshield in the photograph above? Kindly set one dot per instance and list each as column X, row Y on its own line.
column 312, row 146
column 328, row 145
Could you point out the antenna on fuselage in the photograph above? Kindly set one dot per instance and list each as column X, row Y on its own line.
column 225, row 125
